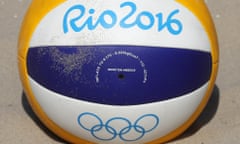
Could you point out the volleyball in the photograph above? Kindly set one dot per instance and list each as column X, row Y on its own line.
column 118, row 71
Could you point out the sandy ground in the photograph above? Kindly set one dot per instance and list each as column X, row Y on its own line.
column 218, row 124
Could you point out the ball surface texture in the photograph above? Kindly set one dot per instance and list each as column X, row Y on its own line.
column 118, row 71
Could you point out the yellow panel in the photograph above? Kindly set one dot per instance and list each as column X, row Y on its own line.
column 37, row 10
column 199, row 8
column 195, row 115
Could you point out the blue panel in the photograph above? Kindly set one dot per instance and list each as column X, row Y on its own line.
column 119, row 74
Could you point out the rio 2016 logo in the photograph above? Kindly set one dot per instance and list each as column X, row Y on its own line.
column 118, row 127
column 108, row 19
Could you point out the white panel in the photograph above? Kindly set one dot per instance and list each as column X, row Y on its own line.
column 193, row 36
column 65, row 112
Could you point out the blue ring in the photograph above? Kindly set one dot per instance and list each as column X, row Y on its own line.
column 142, row 117
column 131, row 140
column 119, row 118
column 90, row 114
column 114, row 133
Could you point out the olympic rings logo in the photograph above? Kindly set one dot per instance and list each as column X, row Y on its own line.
column 118, row 127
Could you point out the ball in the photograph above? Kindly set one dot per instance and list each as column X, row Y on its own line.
column 118, row 71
